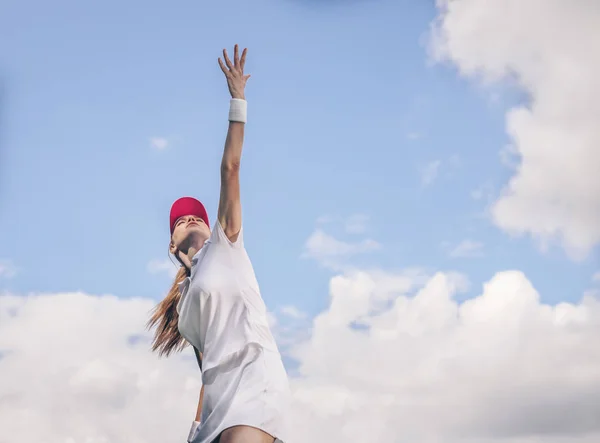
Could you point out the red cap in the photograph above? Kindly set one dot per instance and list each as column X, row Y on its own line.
column 187, row 206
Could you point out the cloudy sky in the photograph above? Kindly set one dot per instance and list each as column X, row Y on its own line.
column 421, row 204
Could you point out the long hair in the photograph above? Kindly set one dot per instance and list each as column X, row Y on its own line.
column 167, row 338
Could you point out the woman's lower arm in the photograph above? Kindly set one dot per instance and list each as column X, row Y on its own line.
column 234, row 142
column 196, row 422
column 199, row 410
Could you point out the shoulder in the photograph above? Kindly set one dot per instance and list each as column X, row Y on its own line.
column 219, row 237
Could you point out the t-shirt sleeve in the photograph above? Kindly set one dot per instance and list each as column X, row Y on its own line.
column 219, row 237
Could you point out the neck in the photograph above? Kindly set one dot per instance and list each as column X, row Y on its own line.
column 186, row 256
column 192, row 251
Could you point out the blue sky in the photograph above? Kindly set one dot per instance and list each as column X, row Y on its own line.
column 345, row 112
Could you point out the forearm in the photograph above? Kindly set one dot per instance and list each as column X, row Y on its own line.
column 198, row 355
column 230, row 212
column 199, row 410
column 232, row 154
column 196, row 423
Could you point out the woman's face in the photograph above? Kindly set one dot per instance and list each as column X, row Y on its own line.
column 189, row 231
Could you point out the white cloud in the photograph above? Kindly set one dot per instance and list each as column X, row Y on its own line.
column 293, row 311
column 467, row 248
column 430, row 172
column 414, row 136
column 509, row 156
column 393, row 357
column 499, row 368
column 549, row 50
column 7, row 269
column 596, row 277
column 289, row 327
column 272, row 319
column 160, row 266
column 80, row 371
column 159, row 143
column 331, row 252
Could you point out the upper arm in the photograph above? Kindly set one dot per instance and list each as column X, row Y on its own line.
column 230, row 207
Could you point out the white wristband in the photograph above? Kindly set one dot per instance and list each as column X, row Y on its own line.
column 195, row 426
column 238, row 110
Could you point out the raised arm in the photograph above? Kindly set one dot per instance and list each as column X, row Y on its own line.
column 230, row 208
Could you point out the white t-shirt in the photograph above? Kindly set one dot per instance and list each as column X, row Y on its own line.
column 221, row 309
column 222, row 314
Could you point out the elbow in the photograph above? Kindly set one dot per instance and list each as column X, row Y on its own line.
column 229, row 168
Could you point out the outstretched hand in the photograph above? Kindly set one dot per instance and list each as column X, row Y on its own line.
column 234, row 72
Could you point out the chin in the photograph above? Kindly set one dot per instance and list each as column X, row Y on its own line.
column 197, row 233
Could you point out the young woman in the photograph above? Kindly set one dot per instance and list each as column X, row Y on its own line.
column 215, row 305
